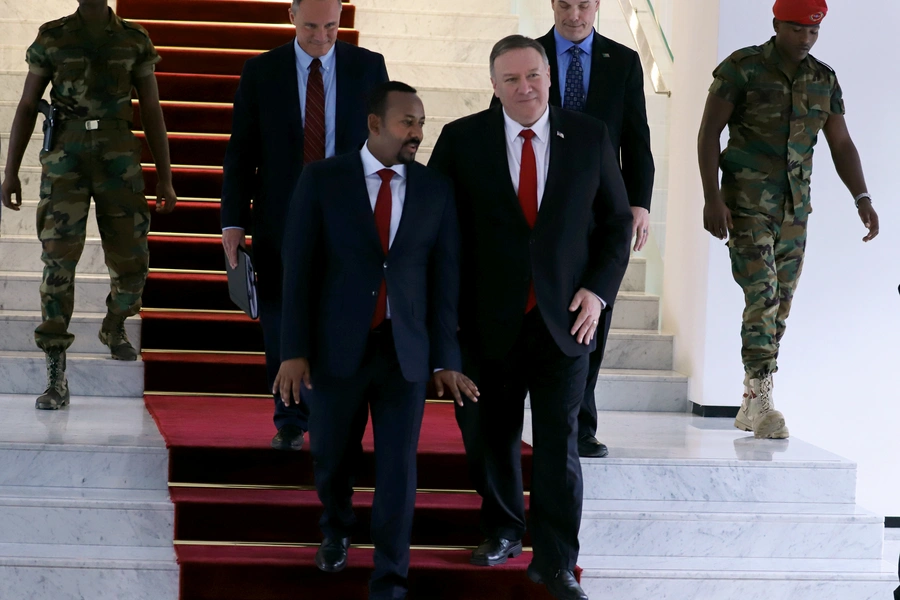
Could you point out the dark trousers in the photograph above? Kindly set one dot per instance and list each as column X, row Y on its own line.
column 270, row 319
column 556, row 383
column 336, row 429
column 587, row 415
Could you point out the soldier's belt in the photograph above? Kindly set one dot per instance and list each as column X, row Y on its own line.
column 95, row 125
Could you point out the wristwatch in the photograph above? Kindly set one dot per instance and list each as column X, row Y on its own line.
column 863, row 196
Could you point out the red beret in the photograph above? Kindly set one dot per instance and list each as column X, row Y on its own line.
column 804, row 12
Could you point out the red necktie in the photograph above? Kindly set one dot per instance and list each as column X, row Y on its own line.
column 383, row 224
column 314, row 127
column 528, row 196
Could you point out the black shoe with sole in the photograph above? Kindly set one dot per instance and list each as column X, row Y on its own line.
column 562, row 586
column 590, row 447
column 289, row 437
column 495, row 551
column 332, row 554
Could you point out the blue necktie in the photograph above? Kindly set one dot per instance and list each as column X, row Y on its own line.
column 574, row 96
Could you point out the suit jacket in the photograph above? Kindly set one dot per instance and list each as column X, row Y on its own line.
column 334, row 265
column 265, row 154
column 616, row 97
column 580, row 238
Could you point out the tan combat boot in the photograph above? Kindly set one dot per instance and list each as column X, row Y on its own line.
column 743, row 421
column 757, row 413
column 56, row 395
column 112, row 334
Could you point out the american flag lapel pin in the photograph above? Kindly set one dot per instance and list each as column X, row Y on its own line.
column 560, row 134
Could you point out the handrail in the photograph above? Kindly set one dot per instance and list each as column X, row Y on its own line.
column 662, row 32
column 645, row 50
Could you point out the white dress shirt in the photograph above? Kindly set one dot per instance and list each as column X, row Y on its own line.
column 541, row 145
column 371, row 166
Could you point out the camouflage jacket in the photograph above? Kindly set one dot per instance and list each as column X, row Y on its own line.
column 92, row 79
column 776, row 120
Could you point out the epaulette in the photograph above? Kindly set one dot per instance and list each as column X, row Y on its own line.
column 747, row 52
column 136, row 27
column 54, row 24
column 827, row 66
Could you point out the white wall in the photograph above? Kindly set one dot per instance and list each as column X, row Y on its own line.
column 837, row 383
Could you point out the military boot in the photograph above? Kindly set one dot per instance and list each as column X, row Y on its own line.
column 759, row 411
column 56, row 395
column 742, row 421
column 112, row 334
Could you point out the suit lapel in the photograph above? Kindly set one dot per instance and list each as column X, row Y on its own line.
column 292, row 91
column 498, row 162
column 600, row 83
column 363, row 218
column 555, row 169
column 550, row 47
column 411, row 209
column 343, row 77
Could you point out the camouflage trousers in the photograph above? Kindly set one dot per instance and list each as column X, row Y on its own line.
column 103, row 165
column 767, row 245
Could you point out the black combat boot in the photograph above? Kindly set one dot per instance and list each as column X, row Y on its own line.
column 112, row 334
column 56, row 395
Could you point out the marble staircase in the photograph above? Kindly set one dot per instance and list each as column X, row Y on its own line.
column 689, row 508
column 84, row 502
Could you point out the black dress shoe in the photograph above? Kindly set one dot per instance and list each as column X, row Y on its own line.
column 289, row 437
column 589, row 447
column 495, row 551
column 561, row 586
column 332, row 554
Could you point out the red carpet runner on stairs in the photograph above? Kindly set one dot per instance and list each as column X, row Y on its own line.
column 246, row 516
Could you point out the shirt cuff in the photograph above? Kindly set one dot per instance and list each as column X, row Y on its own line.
column 241, row 228
column 602, row 302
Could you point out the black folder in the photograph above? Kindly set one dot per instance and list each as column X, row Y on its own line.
column 242, row 284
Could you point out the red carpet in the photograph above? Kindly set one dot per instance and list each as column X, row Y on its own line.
column 246, row 516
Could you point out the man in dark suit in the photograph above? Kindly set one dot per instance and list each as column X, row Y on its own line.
column 371, row 287
column 296, row 104
column 592, row 74
column 545, row 226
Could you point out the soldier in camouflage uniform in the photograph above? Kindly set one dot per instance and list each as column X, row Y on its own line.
column 775, row 99
column 93, row 59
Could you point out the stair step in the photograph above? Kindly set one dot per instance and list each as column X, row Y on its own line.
column 641, row 390
column 18, row 332
column 26, row 373
column 21, row 291
column 402, row 21
column 73, row 516
column 237, row 11
column 238, row 451
column 434, row 74
column 608, row 528
column 22, row 254
column 292, row 516
column 637, row 349
column 452, row 49
column 96, row 572
column 678, row 456
column 473, row 7
column 190, row 217
column 107, row 443
column 224, row 573
column 729, row 529
column 627, row 578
